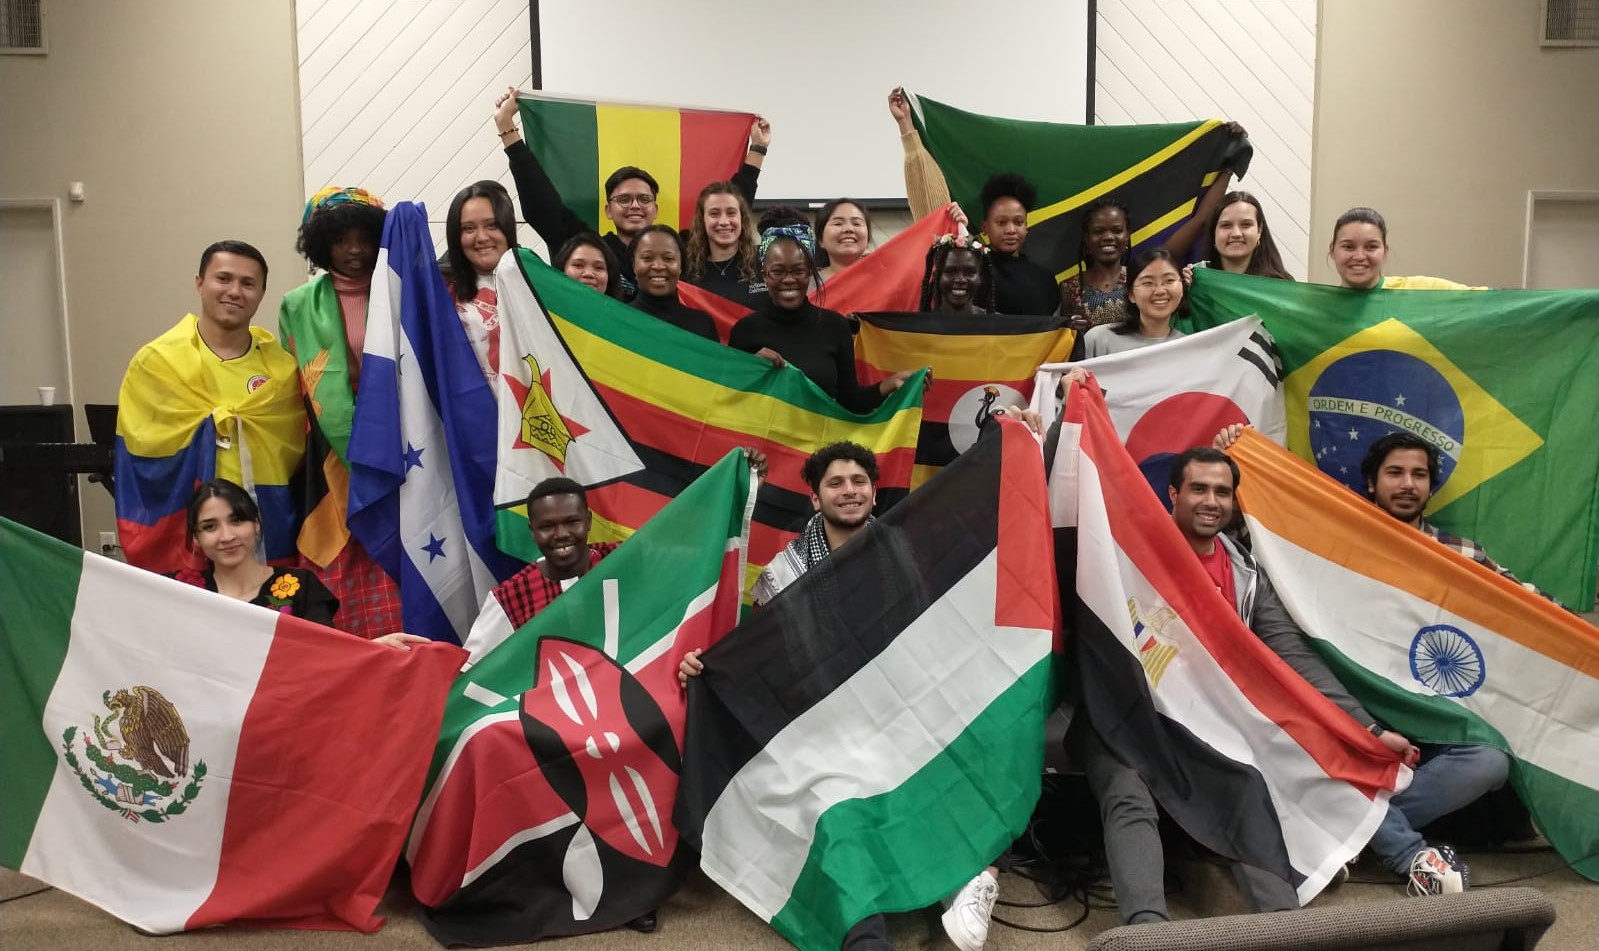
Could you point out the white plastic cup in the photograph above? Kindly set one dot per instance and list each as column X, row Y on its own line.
column 47, row 396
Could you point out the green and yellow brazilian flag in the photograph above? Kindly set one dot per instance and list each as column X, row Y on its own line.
column 1504, row 383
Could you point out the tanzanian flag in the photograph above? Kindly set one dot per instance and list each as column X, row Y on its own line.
column 1157, row 171
column 580, row 142
column 637, row 409
column 1432, row 643
column 979, row 364
column 1504, row 383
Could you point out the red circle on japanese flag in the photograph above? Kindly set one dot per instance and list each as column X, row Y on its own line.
column 1177, row 423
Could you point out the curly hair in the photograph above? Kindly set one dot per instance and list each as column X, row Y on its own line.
column 816, row 465
column 1007, row 185
column 938, row 254
column 322, row 229
column 697, row 251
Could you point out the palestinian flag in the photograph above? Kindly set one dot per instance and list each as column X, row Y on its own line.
column 1157, row 171
column 887, row 279
column 1167, row 399
column 550, row 796
column 1519, row 473
column 1433, row 644
column 182, row 759
column 1247, row 757
column 979, row 364
column 636, row 409
column 580, row 142
column 873, row 737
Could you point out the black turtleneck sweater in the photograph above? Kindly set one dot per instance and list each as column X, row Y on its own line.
column 671, row 310
column 1023, row 287
column 817, row 342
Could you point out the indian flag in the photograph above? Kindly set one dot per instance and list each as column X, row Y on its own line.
column 580, row 142
column 1433, row 644
column 182, row 759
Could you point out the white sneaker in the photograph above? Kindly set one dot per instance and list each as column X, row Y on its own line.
column 1436, row 871
column 966, row 919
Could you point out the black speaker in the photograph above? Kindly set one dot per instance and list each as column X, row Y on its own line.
column 35, row 489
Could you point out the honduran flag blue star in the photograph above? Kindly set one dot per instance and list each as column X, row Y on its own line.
column 413, row 457
column 434, row 547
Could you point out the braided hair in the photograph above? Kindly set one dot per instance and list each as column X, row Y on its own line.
column 938, row 255
column 1089, row 211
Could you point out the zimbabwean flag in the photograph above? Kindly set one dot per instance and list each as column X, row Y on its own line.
column 1157, row 171
column 580, row 142
column 1504, row 383
column 636, row 409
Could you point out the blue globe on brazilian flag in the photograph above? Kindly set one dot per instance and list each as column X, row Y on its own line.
column 1504, row 383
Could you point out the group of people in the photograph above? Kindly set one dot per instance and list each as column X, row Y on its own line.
column 1117, row 301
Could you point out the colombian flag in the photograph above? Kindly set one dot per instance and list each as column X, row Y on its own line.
column 637, row 409
column 979, row 364
column 1504, row 383
column 1432, row 643
column 580, row 142
column 182, row 421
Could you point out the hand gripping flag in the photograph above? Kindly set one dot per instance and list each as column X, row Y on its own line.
column 636, row 409
column 1247, row 757
column 421, row 457
column 1433, row 644
column 887, row 279
column 580, row 142
column 1157, row 171
column 549, row 803
column 1169, row 398
column 182, row 759
column 871, row 738
column 979, row 364
column 1519, row 474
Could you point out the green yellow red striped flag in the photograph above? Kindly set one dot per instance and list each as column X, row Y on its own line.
column 580, row 142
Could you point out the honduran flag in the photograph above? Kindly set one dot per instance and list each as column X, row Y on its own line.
column 171, row 426
column 1247, row 757
column 422, row 446
column 1432, row 643
column 182, row 759
column 580, row 142
column 1177, row 395
column 873, row 737
column 549, row 803
column 889, row 278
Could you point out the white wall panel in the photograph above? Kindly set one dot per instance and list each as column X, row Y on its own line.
column 396, row 95
column 1252, row 61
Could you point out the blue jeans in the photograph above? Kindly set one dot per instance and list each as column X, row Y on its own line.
column 1448, row 778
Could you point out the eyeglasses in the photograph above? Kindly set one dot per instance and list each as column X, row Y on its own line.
column 787, row 273
column 640, row 200
column 1149, row 283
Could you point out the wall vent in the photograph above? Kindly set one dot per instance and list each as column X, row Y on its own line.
column 1570, row 23
column 21, row 26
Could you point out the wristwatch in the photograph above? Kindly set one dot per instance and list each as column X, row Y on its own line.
column 1376, row 729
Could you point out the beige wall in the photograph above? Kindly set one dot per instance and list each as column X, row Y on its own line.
column 181, row 118
column 1442, row 115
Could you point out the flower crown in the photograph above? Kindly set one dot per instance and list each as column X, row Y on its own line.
column 969, row 242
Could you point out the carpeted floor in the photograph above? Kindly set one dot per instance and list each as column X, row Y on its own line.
column 701, row 917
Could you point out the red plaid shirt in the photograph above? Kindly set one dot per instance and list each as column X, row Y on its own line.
column 528, row 592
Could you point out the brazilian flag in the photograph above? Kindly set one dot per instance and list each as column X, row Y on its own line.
column 1504, row 383
column 1157, row 171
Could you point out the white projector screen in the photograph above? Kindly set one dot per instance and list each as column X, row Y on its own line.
column 820, row 71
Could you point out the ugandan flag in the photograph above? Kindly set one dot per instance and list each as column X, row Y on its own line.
column 1504, row 383
column 580, row 142
column 637, row 409
column 979, row 364
column 1432, row 643
column 1157, row 171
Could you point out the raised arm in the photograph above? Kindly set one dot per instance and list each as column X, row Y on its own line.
column 748, row 174
column 540, row 202
column 925, row 187
column 1182, row 240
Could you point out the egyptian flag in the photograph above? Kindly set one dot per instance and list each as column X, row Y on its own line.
column 1433, row 644
column 1247, row 757
column 887, row 279
column 979, row 363
column 1172, row 397
column 873, row 737
column 551, row 790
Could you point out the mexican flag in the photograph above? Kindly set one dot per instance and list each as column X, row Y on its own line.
column 182, row 759
column 1504, row 383
column 1432, row 643
column 872, row 737
column 580, row 142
